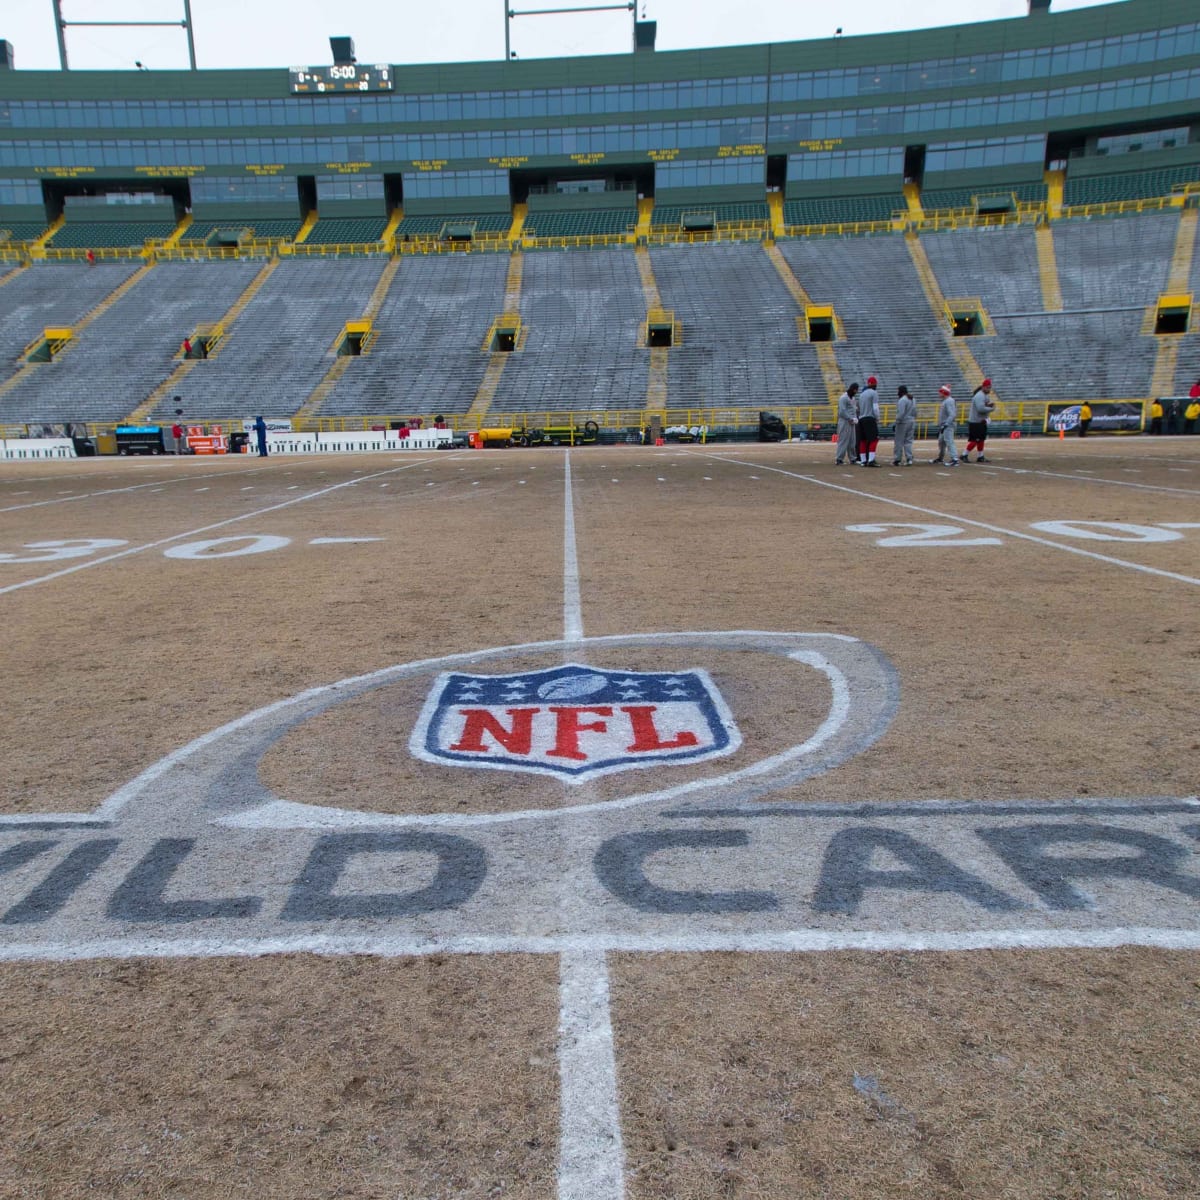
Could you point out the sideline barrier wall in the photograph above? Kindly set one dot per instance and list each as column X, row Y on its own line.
column 356, row 441
column 17, row 448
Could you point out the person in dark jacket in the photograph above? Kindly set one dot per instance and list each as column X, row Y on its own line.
column 260, row 435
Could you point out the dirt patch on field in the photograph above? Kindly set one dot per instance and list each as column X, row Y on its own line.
column 997, row 1074
column 280, row 1078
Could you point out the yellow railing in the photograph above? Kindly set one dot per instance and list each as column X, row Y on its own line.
column 79, row 254
column 1113, row 207
column 532, row 241
column 338, row 249
column 734, row 232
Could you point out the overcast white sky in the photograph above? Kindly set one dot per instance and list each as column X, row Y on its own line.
column 272, row 33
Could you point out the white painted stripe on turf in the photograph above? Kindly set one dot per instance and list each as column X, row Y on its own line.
column 175, row 537
column 572, row 606
column 591, row 1159
column 934, row 512
column 786, row 941
column 1145, row 487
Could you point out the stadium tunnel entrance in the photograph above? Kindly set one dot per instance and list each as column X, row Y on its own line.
column 134, row 196
column 583, row 185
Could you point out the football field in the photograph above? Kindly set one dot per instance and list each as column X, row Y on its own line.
column 690, row 822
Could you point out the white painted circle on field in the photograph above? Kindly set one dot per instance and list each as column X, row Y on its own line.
column 863, row 693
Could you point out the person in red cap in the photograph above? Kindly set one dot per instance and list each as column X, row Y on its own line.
column 947, row 415
column 982, row 406
column 868, row 423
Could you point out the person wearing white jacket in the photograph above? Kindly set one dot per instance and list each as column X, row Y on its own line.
column 906, row 424
column 847, row 437
column 947, row 415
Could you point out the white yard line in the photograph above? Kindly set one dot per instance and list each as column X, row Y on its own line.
column 1145, row 487
column 934, row 512
column 591, row 1158
column 572, row 609
column 175, row 537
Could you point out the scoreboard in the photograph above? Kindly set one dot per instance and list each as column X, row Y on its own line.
column 345, row 77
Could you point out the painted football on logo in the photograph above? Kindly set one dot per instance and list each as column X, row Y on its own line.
column 572, row 687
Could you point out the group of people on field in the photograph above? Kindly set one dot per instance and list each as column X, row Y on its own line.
column 858, row 425
column 1190, row 414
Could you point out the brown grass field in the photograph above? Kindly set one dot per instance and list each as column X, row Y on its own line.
column 498, row 1014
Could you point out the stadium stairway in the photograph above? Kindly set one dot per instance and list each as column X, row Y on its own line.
column 959, row 347
column 1166, row 362
column 1052, row 299
column 656, row 382
column 831, row 372
column 499, row 359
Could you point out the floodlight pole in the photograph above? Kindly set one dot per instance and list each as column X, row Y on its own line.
column 60, row 27
column 511, row 13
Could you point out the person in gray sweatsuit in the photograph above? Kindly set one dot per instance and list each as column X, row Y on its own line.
column 906, row 424
column 947, row 415
column 847, row 432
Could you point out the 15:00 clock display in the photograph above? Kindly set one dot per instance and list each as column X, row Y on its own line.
column 348, row 77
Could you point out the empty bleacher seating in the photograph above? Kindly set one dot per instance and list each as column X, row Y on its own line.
column 282, row 344
column 584, row 316
column 283, row 229
column 583, row 325
column 433, row 225
column 831, row 210
column 580, row 223
column 740, row 343
column 100, row 235
column 122, row 355
column 1134, row 185
column 346, row 231
column 891, row 331
column 999, row 265
column 18, row 231
column 742, row 213
column 427, row 355
column 964, row 198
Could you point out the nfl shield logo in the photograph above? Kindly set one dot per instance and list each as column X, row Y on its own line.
column 574, row 721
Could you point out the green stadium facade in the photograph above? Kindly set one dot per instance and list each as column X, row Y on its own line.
column 834, row 126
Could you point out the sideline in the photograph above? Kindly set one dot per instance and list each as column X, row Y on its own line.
column 934, row 512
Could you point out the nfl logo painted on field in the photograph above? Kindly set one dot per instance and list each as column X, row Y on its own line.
column 574, row 721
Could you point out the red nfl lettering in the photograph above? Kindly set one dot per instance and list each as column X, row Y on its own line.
column 646, row 737
column 479, row 721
